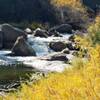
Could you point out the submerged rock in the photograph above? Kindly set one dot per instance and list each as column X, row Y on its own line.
column 57, row 56
column 57, row 46
column 10, row 34
column 22, row 48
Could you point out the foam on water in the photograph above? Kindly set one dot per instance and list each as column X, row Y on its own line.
column 41, row 47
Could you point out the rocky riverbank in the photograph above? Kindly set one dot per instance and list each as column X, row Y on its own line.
column 29, row 51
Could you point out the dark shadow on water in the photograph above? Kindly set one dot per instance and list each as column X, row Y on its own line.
column 11, row 77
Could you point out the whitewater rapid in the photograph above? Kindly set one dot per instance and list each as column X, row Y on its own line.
column 41, row 46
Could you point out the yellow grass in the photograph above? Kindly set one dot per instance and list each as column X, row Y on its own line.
column 78, row 83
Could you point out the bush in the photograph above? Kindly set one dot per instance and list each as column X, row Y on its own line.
column 94, row 31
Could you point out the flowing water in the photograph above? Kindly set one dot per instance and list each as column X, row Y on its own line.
column 41, row 46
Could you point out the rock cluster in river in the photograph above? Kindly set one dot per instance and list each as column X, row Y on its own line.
column 15, row 38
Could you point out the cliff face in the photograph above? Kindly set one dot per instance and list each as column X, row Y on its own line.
column 31, row 10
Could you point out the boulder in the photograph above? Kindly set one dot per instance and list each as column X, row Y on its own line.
column 57, row 46
column 22, row 48
column 40, row 33
column 1, row 40
column 63, row 28
column 58, row 56
column 10, row 34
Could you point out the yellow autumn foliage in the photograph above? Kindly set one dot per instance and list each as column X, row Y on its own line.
column 76, row 4
column 72, row 84
column 78, row 83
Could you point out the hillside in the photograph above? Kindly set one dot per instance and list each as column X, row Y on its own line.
column 34, row 10
column 29, row 10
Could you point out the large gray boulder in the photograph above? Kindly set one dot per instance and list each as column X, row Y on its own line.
column 10, row 34
column 57, row 46
column 63, row 28
column 22, row 48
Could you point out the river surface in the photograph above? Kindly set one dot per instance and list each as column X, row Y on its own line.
column 41, row 47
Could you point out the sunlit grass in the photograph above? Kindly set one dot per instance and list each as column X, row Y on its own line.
column 79, row 83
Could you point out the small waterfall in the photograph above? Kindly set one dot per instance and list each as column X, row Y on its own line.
column 41, row 45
